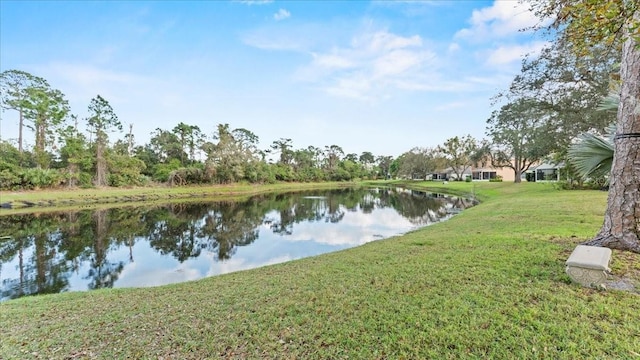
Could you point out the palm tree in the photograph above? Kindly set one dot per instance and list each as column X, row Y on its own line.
column 593, row 155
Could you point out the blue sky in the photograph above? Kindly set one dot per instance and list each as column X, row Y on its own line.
column 379, row 76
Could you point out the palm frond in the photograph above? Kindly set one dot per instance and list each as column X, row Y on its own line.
column 593, row 155
column 609, row 103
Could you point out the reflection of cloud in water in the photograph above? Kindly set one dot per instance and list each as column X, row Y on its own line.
column 355, row 228
column 317, row 225
column 238, row 264
column 132, row 276
column 135, row 274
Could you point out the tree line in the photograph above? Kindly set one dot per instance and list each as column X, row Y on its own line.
column 555, row 100
column 63, row 155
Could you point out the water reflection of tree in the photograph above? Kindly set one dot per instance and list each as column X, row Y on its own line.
column 328, row 205
column 174, row 229
column 103, row 273
column 49, row 248
column 229, row 225
column 40, row 270
column 423, row 208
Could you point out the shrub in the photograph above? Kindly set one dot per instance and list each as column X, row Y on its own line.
column 187, row 176
column 41, row 178
column 9, row 180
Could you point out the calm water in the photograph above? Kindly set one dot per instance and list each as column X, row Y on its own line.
column 162, row 244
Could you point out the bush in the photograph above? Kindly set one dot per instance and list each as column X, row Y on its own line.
column 162, row 171
column 496, row 179
column 9, row 180
column 187, row 176
column 41, row 178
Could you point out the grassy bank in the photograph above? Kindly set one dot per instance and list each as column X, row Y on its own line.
column 489, row 283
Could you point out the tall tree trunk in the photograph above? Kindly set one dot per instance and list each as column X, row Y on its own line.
column 518, row 176
column 130, row 146
column 101, row 165
column 72, row 168
column 21, row 266
column 621, row 228
column 100, row 245
column 517, row 170
column 41, row 262
column 41, row 128
column 20, row 126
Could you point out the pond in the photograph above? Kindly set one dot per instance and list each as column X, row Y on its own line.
column 162, row 244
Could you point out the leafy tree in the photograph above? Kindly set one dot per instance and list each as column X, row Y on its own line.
column 231, row 156
column 305, row 165
column 14, row 95
column 519, row 137
column 124, row 170
column 189, row 137
column 147, row 154
column 589, row 23
column 348, row 170
column 332, row 155
column 417, row 163
column 102, row 119
column 353, row 157
column 283, row 147
column 384, row 164
column 246, row 140
column 568, row 89
column 367, row 160
column 74, row 154
column 166, row 146
column 45, row 110
column 458, row 153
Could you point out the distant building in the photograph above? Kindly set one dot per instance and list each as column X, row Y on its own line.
column 485, row 172
column 545, row 172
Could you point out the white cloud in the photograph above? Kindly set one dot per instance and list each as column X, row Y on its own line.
column 355, row 229
column 451, row 105
column 502, row 19
column 372, row 63
column 385, row 41
column 82, row 81
column 254, row 2
column 144, row 276
column 507, row 54
column 238, row 264
column 300, row 38
column 281, row 15
column 332, row 61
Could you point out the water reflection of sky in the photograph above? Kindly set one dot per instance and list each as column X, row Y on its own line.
column 149, row 268
column 144, row 265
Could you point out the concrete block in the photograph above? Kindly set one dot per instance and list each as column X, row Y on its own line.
column 589, row 265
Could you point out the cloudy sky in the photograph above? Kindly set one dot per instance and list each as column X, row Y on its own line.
column 379, row 76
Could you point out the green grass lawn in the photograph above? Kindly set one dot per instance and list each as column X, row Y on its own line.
column 489, row 283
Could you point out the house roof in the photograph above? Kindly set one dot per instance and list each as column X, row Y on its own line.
column 548, row 166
